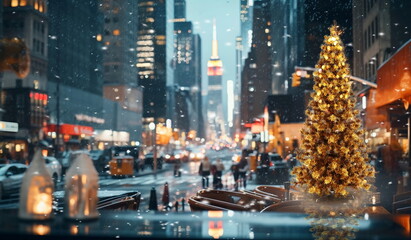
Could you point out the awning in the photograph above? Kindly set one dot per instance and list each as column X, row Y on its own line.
column 394, row 78
column 394, row 84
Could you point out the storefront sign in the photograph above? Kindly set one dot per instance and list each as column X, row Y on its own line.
column 9, row 126
column 87, row 118
column 71, row 129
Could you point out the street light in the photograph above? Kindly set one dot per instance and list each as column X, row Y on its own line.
column 152, row 127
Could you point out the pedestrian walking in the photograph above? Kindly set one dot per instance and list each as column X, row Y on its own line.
column 219, row 173
column 214, row 174
column 243, row 169
column 177, row 168
column 204, row 171
column 236, row 174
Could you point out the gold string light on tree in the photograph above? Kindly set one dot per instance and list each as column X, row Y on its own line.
column 333, row 153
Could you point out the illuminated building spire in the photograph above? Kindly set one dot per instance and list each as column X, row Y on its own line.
column 214, row 50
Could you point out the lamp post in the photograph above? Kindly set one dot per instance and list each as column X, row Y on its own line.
column 152, row 127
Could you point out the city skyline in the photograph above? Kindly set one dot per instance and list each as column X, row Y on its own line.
column 226, row 32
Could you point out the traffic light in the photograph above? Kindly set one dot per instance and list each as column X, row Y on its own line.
column 296, row 80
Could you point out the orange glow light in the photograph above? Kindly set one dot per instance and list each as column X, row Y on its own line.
column 215, row 214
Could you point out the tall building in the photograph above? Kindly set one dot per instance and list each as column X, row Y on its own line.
column 257, row 72
column 74, row 45
column 287, row 42
column 236, row 129
column 151, row 58
column 28, row 20
column 215, row 114
column 319, row 15
column 119, row 42
column 380, row 28
column 297, row 32
column 25, row 100
column 119, row 57
column 187, row 66
column 1, row 20
column 183, row 54
column 184, row 78
column 199, row 109
column 246, row 24
column 179, row 10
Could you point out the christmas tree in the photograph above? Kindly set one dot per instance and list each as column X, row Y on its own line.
column 333, row 153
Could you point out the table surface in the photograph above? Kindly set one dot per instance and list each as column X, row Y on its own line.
column 203, row 225
column 101, row 194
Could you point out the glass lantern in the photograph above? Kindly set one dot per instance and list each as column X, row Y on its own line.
column 36, row 191
column 80, row 190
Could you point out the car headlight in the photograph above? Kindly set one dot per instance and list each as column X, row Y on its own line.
column 178, row 156
column 167, row 156
column 192, row 155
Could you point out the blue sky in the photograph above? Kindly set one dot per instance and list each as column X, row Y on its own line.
column 227, row 16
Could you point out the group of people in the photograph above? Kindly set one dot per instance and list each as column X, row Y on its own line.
column 216, row 169
column 239, row 171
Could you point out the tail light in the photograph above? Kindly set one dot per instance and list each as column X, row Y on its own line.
column 271, row 164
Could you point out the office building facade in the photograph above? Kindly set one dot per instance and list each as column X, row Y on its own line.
column 257, row 72
column 151, row 59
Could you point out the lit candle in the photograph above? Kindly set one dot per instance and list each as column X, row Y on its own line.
column 36, row 201
column 42, row 203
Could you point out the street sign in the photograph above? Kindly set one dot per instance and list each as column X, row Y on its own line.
column 9, row 126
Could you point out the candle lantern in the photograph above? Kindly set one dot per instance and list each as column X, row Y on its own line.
column 81, row 185
column 36, row 191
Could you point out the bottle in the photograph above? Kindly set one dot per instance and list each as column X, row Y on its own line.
column 36, row 192
column 80, row 190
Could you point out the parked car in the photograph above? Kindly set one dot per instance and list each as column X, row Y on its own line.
column 272, row 169
column 11, row 176
column 149, row 160
column 54, row 168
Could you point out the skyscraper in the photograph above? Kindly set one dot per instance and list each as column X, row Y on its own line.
column 319, row 15
column 380, row 28
column 287, row 42
column 199, row 109
column 119, row 42
column 257, row 72
column 28, row 20
column 215, row 90
column 179, row 10
column 183, row 54
column 151, row 58
column 246, row 24
column 119, row 57
column 74, row 46
column 187, row 65
column 25, row 100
